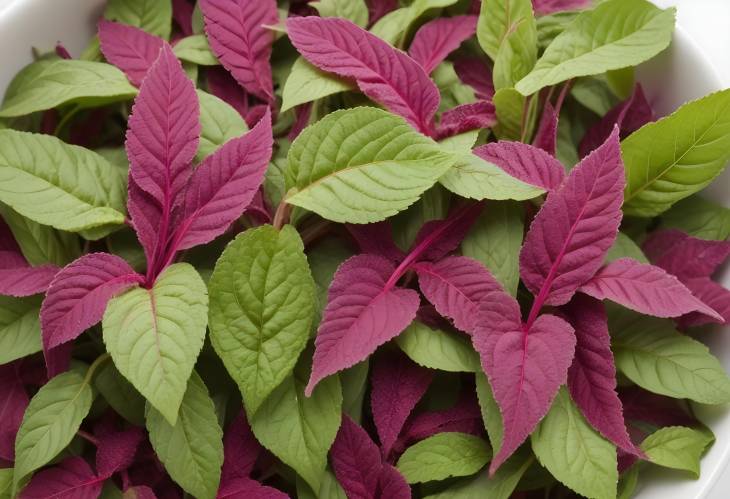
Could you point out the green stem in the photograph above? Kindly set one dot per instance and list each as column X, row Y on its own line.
column 94, row 366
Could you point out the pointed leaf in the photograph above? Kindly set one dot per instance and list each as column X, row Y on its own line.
column 241, row 449
column 130, row 49
column 219, row 123
column 250, row 489
column 72, row 478
column 13, row 403
column 40, row 244
column 527, row 163
column 306, row 83
column 437, row 238
column 356, row 461
column 387, row 76
column 120, row 394
column 699, row 217
column 545, row 7
column 116, row 450
column 192, row 449
column 153, row 16
column 570, row 236
column 685, row 256
column 262, row 307
column 239, row 37
column 364, row 311
column 625, row 247
column 19, row 328
column 476, row 73
column 438, row 349
column 354, row 10
column 376, row 239
column 24, row 280
column 465, row 118
column 546, row 136
column 436, row 39
column 195, row 49
column 391, row 484
column 677, row 447
column 154, row 335
column 713, row 295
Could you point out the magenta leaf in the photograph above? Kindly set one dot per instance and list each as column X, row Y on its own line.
column 646, row 289
column 456, row 286
column 129, row 48
column 356, row 460
column 592, row 376
column 223, row 186
column 685, row 256
column 23, row 280
column 224, row 86
column 376, row 239
column 13, row 402
column 116, row 451
column 247, row 488
column 525, row 366
column 378, row 8
column 711, row 294
column 182, row 13
column 58, row 359
column 629, row 116
column 527, row 163
column 546, row 137
column 465, row 118
column 79, row 293
column 391, row 484
column 476, row 73
column 397, row 386
column 386, row 75
column 438, row 238
column 436, row 39
column 241, row 449
column 238, row 35
column 657, row 410
column 544, row 7
column 364, row 310
column 73, row 478
column 570, row 236
column 145, row 214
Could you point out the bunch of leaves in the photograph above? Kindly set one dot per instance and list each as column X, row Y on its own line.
column 357, row 248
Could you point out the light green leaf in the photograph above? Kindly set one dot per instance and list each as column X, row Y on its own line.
column 362, row 165
column 627, row 483
column 438, row 349
column 153, row 16
column 274, row 181
column 433, row 205
column 219, row 123
column 442, row 456
column 616, row 34
column 330, row 488
column 306, row 83
column 677, row 447
column 155, row 335
column 699, row 217
column 550, row 26
column 625, row 247
column 573, row 452
column 50, row 422
column 195, row 49
column 20, row 331
column 299, row 430
column 120, row 394
column 40, row 244
column 67, row 187
column 652, row 354
column 354, row 383
column 675, row 157
column 509, row 105
column 621, row 82
column 192, row 449
column 495, row 240
column 6, row 482
column 48, row 83
column 262, row 306
column 324, row 258
column 507, row 32
column 394, row 26
column 453, row 91
column 594, row 94
column 354, row 10
column 491, row 414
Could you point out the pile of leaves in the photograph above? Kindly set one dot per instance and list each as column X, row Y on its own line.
column 363, row 249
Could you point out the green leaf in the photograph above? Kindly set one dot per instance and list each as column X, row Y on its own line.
column 625, row 247
column 491, row 414
column 155, row 335
column 677, row 447
column 394, row 26
column 53, row 183
column 362, row 165
column 453, row 91
column 438, row 349
column 219, row 123
column 20, row 330
column 652, row 354
column 192, row 449
column 509, row 105
column 354, row 383
column 6, row 482
column 627, row 483
column 550, row 26
column 594, row 94
column 195, row 49
column 442, row 456
column 40, row 244
column 433, row 205
column 699, row 217
column 675, row 157
column 495, row 240
column 575, row 453
column 50, row 422
column 330, row 488
column 507, row 32
column 120, row 394
column 262, row 306
column 354, row 10
column 299, row 430
column 153, row 16
column 324, row 258
column 616, row 34
column 306, row 83
column 47, row 83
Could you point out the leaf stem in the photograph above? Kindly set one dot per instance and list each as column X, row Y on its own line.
column 281, row 217
column 88, row 437
column 94, row 366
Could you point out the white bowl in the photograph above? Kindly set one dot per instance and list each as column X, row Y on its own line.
column 680, row 74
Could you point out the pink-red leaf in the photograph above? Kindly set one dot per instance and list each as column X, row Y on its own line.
column 546, row 137
column 525, row 366
column 397, row 386
column 527, row 163
column 238, row 35
column 23, row 280
column 570, row 236
column 378, row 8
column 73, row 478
column 376, row 239
column 145, row 214
column 364, row 311
column 355, row 460
column 246, row 488
column 466, row 117
column 711, row 294
column 592, row 376
column 646, row 289
column 223, row 186
column 685, row 256
column 438, row 238
column 544, row 7
column 241, row 450
column 79, row 293
column 386, row 75
column 456, row 286
column 474, row 72
column 182, row 13
column 391, row 484
column 129, row 48
column 13, row 402
column 224, row 86
column 116, row 450
column 436, row 39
